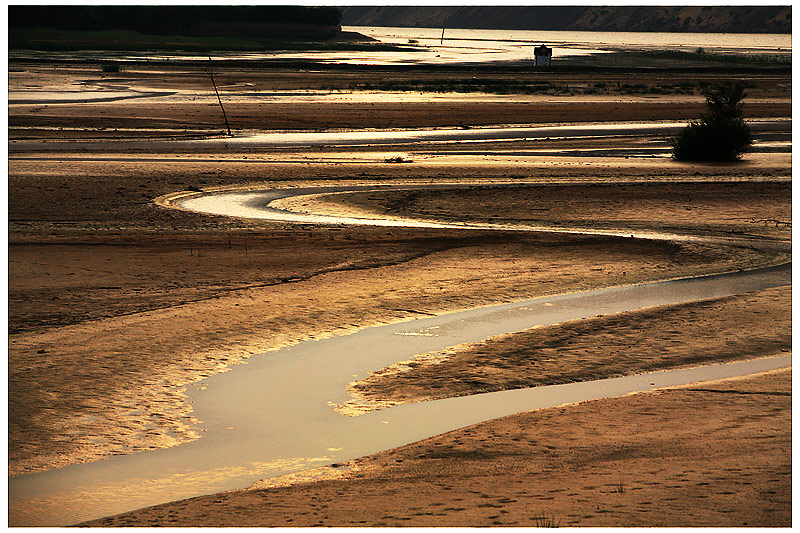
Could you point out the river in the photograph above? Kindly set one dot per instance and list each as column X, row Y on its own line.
column 273, row 415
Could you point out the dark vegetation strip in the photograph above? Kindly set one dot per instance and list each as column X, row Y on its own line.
column 701, row 55
column 173, row 20
column 512, row 86
column 131, row 41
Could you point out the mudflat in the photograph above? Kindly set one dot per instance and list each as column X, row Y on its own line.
column 117, row 303
column 179, row 100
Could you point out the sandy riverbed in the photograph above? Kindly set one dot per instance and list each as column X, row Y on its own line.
column 116, row 303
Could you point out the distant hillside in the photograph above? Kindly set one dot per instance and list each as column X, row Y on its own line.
column 709, row 19
column 178, row 19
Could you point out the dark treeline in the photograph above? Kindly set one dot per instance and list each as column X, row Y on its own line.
column 164, row 20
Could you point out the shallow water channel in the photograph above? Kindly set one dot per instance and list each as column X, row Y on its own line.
column 436, row 136
column 272, row 415
column 258, row 205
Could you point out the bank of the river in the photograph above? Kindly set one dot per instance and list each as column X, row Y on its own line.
column 258, row 425
column 199, row 328
column 594, row 348
column 225, row 289
column 213, row 302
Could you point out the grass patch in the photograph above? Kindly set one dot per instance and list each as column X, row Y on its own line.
column 111, row 67
column 542, row 520
column 713, row 57
column 511, row 86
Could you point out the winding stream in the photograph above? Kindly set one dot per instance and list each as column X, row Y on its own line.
column 257, row 205
column 272, row 415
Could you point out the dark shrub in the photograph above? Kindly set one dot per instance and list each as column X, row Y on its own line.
column 721, row 134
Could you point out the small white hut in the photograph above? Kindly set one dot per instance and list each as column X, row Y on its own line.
column 542, row 56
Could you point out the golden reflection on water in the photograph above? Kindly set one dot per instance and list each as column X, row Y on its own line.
column 471, row 39
column 127, row 492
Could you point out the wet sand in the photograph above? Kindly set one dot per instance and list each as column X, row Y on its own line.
column 274, row 99
column 116, row 303
column 140, row 360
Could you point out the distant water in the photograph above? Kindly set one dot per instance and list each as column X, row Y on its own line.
column 426, row 46
column 462, row 45
column 488, row 39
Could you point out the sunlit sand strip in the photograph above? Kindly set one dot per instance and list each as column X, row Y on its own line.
column 75, row 97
